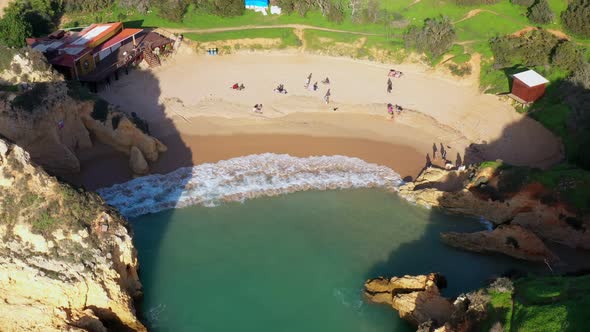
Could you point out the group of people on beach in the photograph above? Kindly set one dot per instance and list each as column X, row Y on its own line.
column 390, row 108
column 315, row 87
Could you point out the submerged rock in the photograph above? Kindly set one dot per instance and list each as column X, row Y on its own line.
column 67, row 260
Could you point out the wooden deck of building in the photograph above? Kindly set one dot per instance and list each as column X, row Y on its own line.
column 130, row 53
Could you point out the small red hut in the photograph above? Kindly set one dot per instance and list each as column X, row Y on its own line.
column 528, row 86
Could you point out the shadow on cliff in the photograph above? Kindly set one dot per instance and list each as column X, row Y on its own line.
column 523, row 143
column 102, row 166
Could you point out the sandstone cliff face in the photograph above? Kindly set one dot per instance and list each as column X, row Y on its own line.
column 531, row 220
column 52, row 119
column 67, row 262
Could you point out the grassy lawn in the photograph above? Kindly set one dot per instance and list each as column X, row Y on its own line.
column 287, row 36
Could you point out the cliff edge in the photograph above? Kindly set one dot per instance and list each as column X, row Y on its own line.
column 67, row 262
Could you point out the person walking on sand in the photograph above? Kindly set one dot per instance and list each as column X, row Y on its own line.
column 390, row 110
column 389, row 85
column 327, row 96
column 315, row 86
column 308, row 81
column 443, row 152
column 434, row 149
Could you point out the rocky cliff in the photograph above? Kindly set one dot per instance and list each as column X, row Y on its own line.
column 53, row 119
column 67, row 262
column 418, row 301
column 524, row 215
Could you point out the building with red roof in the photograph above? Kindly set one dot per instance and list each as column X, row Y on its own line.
column 95, row 52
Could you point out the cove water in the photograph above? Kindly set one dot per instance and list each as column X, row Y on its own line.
column 295, row 262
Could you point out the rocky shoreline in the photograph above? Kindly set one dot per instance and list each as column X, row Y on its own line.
column 524, row 220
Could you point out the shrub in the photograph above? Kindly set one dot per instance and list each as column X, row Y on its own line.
column 434, row 38
column 541, row 13
column 78, row 92
column 14, row 27
column 460, row 70
column 532, row 49
column 101, row 110
column 141, row 6
column 31, row 99
column 172, row 10
column 335, row 12
column 86, row 5
column 227, row 7
column 576, row 17
column 567, row 56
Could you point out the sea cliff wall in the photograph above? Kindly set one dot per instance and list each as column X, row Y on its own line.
column 67, row 262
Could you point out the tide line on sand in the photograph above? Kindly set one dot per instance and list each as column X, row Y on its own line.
column 242, row 178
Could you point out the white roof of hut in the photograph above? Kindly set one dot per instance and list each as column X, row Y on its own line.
column 531, row 78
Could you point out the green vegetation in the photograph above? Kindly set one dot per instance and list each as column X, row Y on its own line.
column 44, row 224
column 14, row 27
column 30, row 100
column 541, row 304
column 79, row 92
column 434, row 38
column 100, row 110
column 576, row 18
column 541, row 13
column 287, row 36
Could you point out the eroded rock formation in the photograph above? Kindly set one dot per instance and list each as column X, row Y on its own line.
column 52, row 119
column 512, row 240
column 416, row 298
column 532, row 218
column 67, row 263
column 418, row 301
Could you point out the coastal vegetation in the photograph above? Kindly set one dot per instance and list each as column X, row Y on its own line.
column 556, row 303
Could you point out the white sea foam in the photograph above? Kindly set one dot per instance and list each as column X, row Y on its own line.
column 243, row 178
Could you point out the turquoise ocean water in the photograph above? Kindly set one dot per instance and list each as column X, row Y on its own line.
column 295, row 262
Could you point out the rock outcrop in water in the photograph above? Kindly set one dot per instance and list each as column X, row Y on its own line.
column 52, row 119
column 501, row 197
column 418, row 301
column 67, row 263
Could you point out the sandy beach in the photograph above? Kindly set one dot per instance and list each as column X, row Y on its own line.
column 191, row 107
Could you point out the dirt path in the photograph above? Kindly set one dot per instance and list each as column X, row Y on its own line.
column 473, row 13
column 294, row 26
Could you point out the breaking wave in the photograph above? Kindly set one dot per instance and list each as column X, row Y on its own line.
column 243, row 178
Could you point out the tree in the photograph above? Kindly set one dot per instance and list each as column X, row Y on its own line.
column 172, row 10
column 541, row 13
column 14, row 27
column 227, row 7
column 355, row 10
column 141, row 6
column 534, row 48
column 576, row 17
column 567, row 56
column 434, row 38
